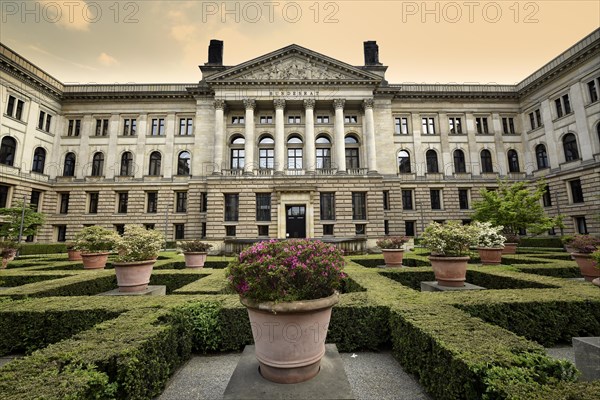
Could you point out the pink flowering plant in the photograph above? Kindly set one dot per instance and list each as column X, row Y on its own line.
column 290, row 270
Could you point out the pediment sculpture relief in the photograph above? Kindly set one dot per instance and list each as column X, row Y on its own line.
column 291, row 69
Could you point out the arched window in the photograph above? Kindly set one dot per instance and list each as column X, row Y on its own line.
column 266, row 152
column 184, row 163
column 352, row 148
column 98, row 164
column 294, row 152
column 432, row 162
column 39, row 160
column 570, row 147
column 404, row 162
column 8, row 148
column 513, row 161
column 155, row 161
column 486, row 162
column 69, row 167
column 127, row 164
column 541, row 156
column 238, row 154
column 460, row 166
column 323, row 144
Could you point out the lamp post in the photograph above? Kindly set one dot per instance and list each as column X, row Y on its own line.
column 166, row 225
column 558, row 213
column 22, row 219
column 420, row 205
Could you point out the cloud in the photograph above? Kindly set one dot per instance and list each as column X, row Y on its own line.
column 183, row 33
column 69, row 15
column 107, row 60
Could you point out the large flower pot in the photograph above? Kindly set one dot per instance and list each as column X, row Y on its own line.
column 393, row 257
column 289, row 338
column 490, row 256
column 450, row 271
column 587, row 266
column 133, row 276
column 510, row 248
column 194, row 259
column 94, row 260
column 74, row 255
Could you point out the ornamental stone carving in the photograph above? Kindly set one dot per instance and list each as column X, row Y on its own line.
column 220, row 104
column 368, row 103
column 249, row 104
column 338, row 103
column 293, row 69
column 309, row 104
column 279, row 104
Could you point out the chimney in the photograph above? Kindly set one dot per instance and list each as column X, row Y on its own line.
column 371, row 53
column 215, row 52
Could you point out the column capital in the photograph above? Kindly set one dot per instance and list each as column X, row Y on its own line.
column 220, row 104
column 309, row 104
column 339, row 103
column 249, row 104
column 368, row 103
column 279, row 104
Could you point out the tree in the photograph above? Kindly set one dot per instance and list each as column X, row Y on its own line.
column 11, row 218
column 515, row 207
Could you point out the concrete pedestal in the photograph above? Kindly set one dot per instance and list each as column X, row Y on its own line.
column 159, row 290
column 432, row 286
column 587, row 357
column 331, row 382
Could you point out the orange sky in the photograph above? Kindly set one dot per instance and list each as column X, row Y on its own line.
column 160, row 41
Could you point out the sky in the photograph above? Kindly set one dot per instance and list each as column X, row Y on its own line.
column 421, row 42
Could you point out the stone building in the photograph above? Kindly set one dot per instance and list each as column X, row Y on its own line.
column 293, row 144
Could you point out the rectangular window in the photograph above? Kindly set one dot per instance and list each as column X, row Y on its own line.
column 232, row 203
column 129, row 127
column 581, row 225
column 230, row 230
column 327, row 206
column 238, row 120
column 204, row 203
column 120, row 228
column 186, row 126
column 360, row 229
column 93, row 202
column 436, row 199
column 559, row 110
column 409, row 228
column 48, row 122
column 508, row 126
column 34, row 203
column 41, row 120
column 10, row 108
column 322, row 119
column 386, row 199
column 428, row 126
column 266, row 119
column 158, row 127
column 64, row 203
column 547, row 198
column 293, row 119
column 4, row 196
column 465, row 221
column 61, row 233
column 151, row 202
column 593, row 90
column 101, row 127
column 401, row 126
column 463, row 199
column 538, row 117
column 122, row 205
column 179, row 231
column 180, row 202
column 74, row 127
column 386, row 227
column 263, row 207
column 455, row 125
column 359, row 205
column 14, row 107
column 263, row 230
column 481, row 124
column 203, row 232
column 576, row 191
column 328, row 230
column 351, row 119
column 149, row 227
column 407, row 199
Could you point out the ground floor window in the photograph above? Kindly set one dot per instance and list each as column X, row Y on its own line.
column 179, row 231
column 409, row 228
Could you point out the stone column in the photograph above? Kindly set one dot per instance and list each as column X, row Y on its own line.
column 309, row 129
column 219, row 136
column 279, row 136
column 370, row 136
column 249, row 104
column 340, row 145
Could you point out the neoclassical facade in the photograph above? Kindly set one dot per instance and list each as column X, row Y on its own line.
column 296, row 144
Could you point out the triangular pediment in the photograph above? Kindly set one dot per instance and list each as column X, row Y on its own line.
column 294, row 64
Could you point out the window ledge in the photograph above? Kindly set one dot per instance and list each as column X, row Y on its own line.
column 15, row 119
column 563, row 117
column 535, row 129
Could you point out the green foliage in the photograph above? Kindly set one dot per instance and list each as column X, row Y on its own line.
column 489, row 236
column 288, row 270
column 42, row 248
column 553, row 242
column 93, row 239
column 194, row 246
column 514, row 207
column 392, row 242
column 139, row 244
column 203, row 320
column 450, row 239
column 12, row 221
column 585, row 244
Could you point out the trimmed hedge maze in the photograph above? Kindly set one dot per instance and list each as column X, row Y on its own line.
column 460, row 345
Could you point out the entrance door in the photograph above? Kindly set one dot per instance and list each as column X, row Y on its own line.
column 295, row 226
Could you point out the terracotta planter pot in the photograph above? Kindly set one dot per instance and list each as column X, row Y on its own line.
column 393, row 257
column 596, row 282
column 450, row 271
column 587, row 266
column 490, row 256
column 74, row 255
column 94, row 260
column 194, row 259
column 290, row 337
column 133, row 276
column 510, row 248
